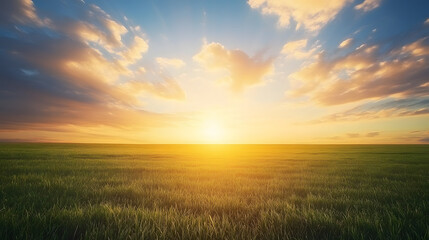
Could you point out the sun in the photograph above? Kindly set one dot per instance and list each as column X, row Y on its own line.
column 213, row 131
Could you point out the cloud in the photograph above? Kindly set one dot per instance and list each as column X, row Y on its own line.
column 243, row 70
column 19, row 11
column 141, row 70
column 372, row 134
column 353, row 135
column 113, row 29
column 425, row 140
column 296, row 49
column 74, row 73
column 95, row 26
column 168, row 88
column 366, row 73
column 387, row 108
column 368, row 5
column 310, row 14
column 89, row 32
column 419, row 48
column 346, row 43
column 170, row 62
column 135, row 51
column 292, row 46
column 427, row 21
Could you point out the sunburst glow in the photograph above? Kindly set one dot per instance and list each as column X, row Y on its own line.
column 213, row 131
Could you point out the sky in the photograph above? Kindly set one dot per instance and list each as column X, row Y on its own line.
column 256, row 71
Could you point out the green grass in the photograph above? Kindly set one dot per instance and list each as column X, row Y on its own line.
column 83, row 191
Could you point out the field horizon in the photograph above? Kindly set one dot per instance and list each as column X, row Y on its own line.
column 164, row 191
column 219, row 144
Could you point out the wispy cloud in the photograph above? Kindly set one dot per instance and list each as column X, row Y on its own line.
column 346, row 43
column 353, row 135
column 168, row 88
column 311, row 15
column 358, row 136
column 170, row 62
column 366, row 73
column 243, row 70
column 297, row 50
column 372, row 134
column 21, row 12
column 135, row 51
column 368, row 5
column 381, row 109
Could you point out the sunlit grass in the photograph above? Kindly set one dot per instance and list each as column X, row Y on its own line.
column 213, row 191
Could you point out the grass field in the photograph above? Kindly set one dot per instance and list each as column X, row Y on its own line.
column 74, row 191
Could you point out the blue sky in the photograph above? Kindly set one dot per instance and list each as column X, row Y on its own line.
column 257, row 71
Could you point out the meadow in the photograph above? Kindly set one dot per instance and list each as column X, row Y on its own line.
column 102, row 191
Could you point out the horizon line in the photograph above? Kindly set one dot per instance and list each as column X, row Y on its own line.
column 115, row 143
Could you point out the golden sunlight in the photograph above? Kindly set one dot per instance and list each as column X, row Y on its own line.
column 213, row 131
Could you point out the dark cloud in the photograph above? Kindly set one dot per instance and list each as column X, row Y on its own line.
column 50, row 75
column 36, row 101
column 425, row 140
column 18, row 11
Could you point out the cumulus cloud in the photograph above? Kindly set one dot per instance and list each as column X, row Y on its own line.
column 310, row 14
column 170, row 62
column 387, row 108
column 75, row 73
column 346, row 43
column 368, row 5
column 366, row 73
column 243, row 70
